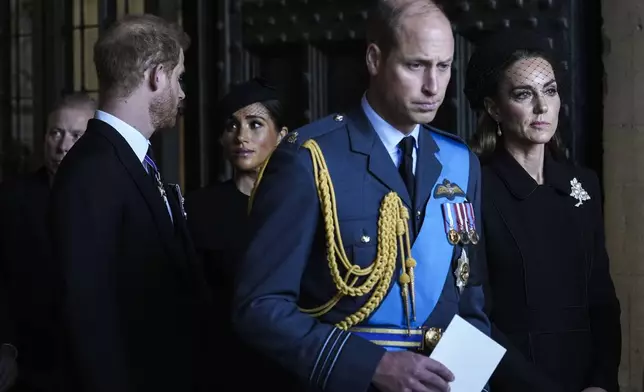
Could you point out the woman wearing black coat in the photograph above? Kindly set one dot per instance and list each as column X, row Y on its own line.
column 552, row 301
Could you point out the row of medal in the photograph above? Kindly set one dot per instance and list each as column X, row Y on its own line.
column 460, row 223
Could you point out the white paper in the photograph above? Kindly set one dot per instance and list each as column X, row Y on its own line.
column 469, row 354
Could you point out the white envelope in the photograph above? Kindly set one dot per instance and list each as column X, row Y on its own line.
column 469, row 354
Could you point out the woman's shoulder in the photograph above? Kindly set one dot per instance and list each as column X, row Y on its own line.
column 578, row 174
column 584, row 172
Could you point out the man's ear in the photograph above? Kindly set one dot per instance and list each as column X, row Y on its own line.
column 374, row 59
column 157, row 77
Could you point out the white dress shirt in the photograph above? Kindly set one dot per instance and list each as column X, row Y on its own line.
column 135, row 139
column 389, row 135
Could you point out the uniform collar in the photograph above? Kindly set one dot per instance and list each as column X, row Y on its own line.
column 557, row 175
column 389, row 135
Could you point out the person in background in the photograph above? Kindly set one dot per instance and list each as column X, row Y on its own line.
column 552, row 301
column 250, row 125
column 8, row 352
column 26, row 264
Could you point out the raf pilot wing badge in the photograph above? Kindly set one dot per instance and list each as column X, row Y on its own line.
column 448, row 190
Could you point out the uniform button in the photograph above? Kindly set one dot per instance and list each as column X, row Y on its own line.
column 418, row 214
column 338, row 117
column 365, row 239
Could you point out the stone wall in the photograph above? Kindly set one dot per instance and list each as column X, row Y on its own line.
column 624, row 174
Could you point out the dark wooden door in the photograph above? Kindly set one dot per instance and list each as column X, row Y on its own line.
column 314, row 51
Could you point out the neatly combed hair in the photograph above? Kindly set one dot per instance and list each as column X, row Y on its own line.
column 386, row 18
column 131, row 46
column 75, row 100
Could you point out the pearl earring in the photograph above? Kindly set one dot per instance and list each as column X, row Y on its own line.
column 498, row 130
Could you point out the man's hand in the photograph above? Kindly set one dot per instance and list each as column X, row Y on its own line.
column 405, row 371
column 594, row 389
column 8, row 367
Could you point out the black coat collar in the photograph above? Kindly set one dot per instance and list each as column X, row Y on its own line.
column 556, row 174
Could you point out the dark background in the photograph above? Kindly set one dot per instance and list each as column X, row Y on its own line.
column 312, row 49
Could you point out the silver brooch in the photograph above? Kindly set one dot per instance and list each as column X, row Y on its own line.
column 578, row 192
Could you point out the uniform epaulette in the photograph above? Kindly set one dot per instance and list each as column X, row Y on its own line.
column 315, row 129
column 446, row 134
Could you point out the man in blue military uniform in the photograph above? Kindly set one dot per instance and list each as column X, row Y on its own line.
column 364, row 226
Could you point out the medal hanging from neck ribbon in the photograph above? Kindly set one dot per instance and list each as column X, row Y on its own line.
column 154, row 172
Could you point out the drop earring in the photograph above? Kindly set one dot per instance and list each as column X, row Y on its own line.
column 498, row 130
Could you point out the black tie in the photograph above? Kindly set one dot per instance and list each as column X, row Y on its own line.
column 406, row 168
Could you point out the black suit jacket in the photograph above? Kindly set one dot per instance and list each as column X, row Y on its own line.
column 553, row 303
column 135, row 300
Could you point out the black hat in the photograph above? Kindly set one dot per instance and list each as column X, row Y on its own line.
column 492, row 54
column 244, row 94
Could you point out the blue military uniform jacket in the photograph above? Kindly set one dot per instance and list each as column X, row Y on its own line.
column 285, row 268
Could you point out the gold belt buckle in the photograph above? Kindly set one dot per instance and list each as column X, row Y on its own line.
column 431, row 337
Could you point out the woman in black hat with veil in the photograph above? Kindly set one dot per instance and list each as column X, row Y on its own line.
column 250, row 125
column 552, row 301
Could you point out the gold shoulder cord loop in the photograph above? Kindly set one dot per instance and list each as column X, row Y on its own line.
column 260, row 174
column 393, row 234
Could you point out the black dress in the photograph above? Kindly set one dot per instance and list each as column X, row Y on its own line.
column 553, row 303
column 217, row 220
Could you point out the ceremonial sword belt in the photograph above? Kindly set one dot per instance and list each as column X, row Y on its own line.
column 423, row 339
